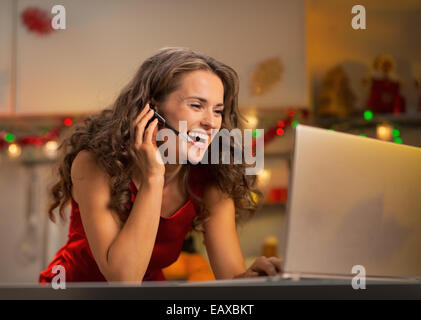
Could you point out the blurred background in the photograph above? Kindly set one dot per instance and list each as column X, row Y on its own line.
column 298, row 62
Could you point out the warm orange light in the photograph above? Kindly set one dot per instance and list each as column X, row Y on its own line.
column 14, row 150
column 384, row 132
column 263, row 178
column 50, row 149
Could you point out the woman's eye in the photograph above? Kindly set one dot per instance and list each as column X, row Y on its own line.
column 219, row 111
column 195, row 105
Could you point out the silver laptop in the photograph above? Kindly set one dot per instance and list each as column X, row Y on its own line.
column 353, row 201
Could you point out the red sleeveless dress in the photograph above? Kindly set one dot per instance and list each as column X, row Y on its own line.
column 80, row 266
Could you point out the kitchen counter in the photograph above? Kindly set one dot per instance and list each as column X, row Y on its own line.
column 245, row 289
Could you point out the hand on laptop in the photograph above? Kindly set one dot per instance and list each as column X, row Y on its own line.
column 262, row 266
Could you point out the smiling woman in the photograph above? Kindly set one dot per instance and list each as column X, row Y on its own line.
column 130, row 211
column 199, row 102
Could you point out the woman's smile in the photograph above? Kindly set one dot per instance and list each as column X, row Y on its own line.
column 201, row 138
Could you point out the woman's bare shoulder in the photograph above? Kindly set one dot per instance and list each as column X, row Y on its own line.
column 212, row 194
column 85, row 172
column 83, row 164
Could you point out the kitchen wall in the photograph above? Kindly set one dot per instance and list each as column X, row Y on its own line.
column 83, row 67
column 6, row 35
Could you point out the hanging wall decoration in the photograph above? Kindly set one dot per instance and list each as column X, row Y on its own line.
column 37, row 20
column 268, row 73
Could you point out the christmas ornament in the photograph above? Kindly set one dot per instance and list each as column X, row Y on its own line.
column 385, row 96
column 336, row 97
column 37, row 20
column 268, row 73
column 278, row 195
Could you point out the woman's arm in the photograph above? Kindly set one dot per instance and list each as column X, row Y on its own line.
column 121, row 253
column 220, row 235
column 222, row 243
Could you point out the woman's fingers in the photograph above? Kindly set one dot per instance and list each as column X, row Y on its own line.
column 253, row 274
column 150, row 131
column 276, row 262
column 248, row 274
column 141, row 126
column 142, row 113
column 155, row 134
column 262, row 264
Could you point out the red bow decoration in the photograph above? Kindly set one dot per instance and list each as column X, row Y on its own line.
column 37, row 20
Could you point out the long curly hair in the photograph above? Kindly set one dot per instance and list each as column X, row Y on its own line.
column 110, row 135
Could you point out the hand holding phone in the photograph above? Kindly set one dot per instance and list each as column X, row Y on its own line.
column 156, row 115
column 148, row 158
column 162, row 120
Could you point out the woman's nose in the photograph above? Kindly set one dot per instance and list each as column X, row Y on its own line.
column 208, row 120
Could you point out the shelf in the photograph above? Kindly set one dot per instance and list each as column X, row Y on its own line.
column 279, row 155
column 358, row 121
column 271, row 207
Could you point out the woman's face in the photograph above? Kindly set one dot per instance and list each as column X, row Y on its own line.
column 199, row 101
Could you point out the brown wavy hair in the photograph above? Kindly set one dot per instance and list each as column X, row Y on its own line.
column 110, row 135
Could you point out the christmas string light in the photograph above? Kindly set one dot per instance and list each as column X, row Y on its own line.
column 31, row 140
column 368, row 115
column 281, row 126
column 48, row 140
column 384, row 131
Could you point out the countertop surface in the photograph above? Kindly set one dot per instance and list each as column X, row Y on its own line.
column 245, row 289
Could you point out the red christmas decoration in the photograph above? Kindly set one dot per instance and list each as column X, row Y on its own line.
column 68, row 122
column 385, row 97
column 278, row 195
column 37, row 20
column 280, row 127
column 37, row 141
column 280, row 131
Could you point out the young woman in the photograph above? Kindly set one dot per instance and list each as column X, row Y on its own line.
column 130, row 211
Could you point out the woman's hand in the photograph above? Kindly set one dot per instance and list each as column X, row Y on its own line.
column 262, row 266
column 149, row 159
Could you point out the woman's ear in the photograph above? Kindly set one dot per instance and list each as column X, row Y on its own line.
column 153, row 104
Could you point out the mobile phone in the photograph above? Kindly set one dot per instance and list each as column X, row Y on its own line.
column 164, row 122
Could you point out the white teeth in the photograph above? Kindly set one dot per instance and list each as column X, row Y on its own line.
column 194, row 134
